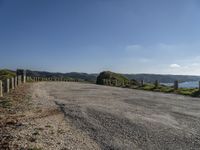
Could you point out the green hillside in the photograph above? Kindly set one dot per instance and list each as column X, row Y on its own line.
column 113, row 79
column 4, row 74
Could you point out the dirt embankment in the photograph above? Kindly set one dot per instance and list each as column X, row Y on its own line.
column 12, row 108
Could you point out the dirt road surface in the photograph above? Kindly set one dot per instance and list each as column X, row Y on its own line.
column 85, row 116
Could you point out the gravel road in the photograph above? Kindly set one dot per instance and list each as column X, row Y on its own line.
column 119, row 118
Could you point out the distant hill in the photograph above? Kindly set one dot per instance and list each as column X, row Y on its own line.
column 72, row 75
column 92, row 77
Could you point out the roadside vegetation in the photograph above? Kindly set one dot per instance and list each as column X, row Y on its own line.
column 111, row 78
column 170, row 89
column 4, row 74
column 114, row 79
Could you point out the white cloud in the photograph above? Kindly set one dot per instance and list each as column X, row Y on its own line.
column 175, row 66
column 195, row 64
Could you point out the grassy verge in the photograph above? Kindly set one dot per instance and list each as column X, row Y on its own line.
column 194, row 92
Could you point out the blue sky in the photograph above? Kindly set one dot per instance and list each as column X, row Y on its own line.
column 126, row 36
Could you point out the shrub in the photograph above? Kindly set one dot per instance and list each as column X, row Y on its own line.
column 112, row 78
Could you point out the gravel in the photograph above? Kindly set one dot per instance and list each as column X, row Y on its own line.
column 87, row 116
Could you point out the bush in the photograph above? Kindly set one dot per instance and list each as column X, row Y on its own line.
column 188, row 91
column 113, row 79
column 148, row 86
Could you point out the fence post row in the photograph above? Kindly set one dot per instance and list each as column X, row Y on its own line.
column 12, row 83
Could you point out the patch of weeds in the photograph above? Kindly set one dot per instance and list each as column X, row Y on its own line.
column 166, row 89
column 148, row 87
column 156, row 90
column 196, row 93
column 189, row 92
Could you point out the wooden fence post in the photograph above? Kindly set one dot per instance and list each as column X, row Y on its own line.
column 15, row 81
column 12, row 84
column 18, row 80
column 24, row 76
column 7, row 85
column 199, row 85
column 156, row 84
column 142, row 82
column 22, row 73
column 176, row 85
column 27, row 78
column 1, row 89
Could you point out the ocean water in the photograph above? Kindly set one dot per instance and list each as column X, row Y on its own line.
column 191, row 84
